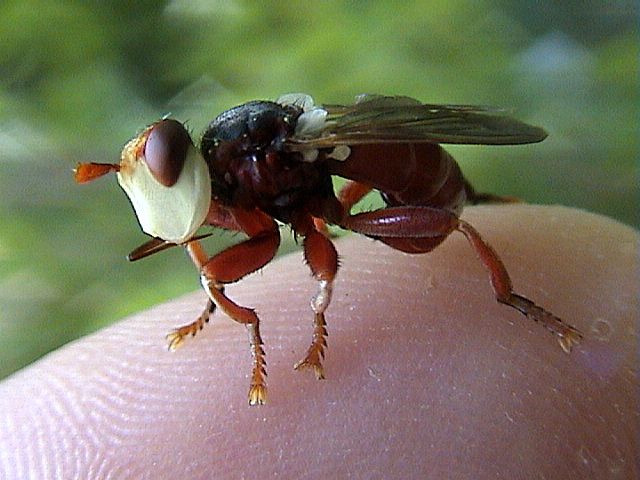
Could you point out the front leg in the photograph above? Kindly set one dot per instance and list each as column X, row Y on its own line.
column 176, row 337
column 218, row 216
column 229, row 266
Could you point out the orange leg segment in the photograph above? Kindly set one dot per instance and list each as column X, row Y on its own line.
column 322, row 258
column 229, row 266
column 420, row 229
column 176, row 337
column 351, row 193
column 568, row 336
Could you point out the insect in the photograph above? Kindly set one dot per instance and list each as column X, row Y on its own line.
column 265, row 162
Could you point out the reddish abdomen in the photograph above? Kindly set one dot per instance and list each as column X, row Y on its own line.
column 406, row 174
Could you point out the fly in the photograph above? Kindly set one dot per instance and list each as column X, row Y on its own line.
column 265, row 162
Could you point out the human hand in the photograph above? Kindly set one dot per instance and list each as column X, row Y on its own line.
column 427, row 376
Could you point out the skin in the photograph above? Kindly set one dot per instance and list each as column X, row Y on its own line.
column 427, row 376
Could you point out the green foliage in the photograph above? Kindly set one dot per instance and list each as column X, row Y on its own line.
column 78, row 79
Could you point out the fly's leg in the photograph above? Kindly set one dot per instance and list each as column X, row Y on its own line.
column 409, row 229
column 229, row 266
column 176, row 337
column 218, row 216
column 568, row 336
column 420, row 229
column 247, row 317
column 322, row 258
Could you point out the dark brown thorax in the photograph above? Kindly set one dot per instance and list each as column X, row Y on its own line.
column 244, row 148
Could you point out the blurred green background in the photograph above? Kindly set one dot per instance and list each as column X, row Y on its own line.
column 79, row 78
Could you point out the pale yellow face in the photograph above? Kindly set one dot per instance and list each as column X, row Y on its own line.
column 173, row 213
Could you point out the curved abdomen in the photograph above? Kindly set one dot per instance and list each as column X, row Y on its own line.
column 421, row 174
column 418, row 174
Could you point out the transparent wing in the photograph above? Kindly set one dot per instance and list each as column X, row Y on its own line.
column 382, row 119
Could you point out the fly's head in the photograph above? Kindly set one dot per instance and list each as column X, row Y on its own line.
column 166, row 179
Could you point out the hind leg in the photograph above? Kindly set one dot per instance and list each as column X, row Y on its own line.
column 568, row 336
column 420, row 229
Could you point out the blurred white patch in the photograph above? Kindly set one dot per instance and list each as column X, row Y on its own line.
column 20, row 142
column 204, row 8
column 199, row 101
column 27, row 285
column 556, row 52
column 310, row 155
column 558, row 65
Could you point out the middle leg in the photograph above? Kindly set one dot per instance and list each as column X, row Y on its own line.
column 218, row 216
column 322, row 258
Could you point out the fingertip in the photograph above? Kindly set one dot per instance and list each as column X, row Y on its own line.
column 421, row 362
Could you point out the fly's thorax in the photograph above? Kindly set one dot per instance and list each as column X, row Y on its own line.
column 252, row 166
column 166, row 180
column 243, row 147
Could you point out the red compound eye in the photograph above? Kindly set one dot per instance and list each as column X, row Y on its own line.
column 166, row 149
